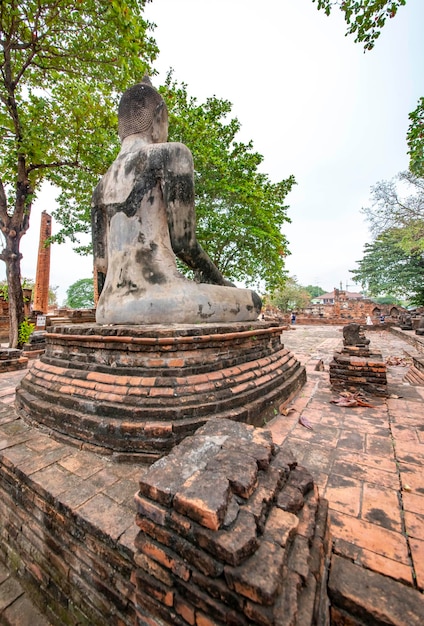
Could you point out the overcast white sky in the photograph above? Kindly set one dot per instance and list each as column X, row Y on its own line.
column 313, row 104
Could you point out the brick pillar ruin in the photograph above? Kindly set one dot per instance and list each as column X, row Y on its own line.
column 42, row 279
column 232, row 531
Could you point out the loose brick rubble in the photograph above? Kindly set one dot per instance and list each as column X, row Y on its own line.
column 232, row 531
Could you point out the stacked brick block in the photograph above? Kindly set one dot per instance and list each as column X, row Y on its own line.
column 355, row 368
column 11, row 360
column 232, row 531
column 133, row 392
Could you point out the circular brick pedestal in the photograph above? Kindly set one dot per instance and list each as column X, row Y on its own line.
column 136, row 391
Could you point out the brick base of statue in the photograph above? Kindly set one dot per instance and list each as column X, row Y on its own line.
column 232, row 531
column 133, row 392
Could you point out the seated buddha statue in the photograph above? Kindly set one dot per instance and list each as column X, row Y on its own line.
column 143, row 217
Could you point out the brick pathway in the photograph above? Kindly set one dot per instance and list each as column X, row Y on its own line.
column 368, row 462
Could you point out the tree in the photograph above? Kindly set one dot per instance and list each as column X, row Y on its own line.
column 80, row 295
column 365, row 19
column 386, row 269
column 396, row 209
column 63, row 64
column 388, row 300
column 314, row 291
column 415, row 139
column 53, row 295
column 240, row 212
column 291, row 297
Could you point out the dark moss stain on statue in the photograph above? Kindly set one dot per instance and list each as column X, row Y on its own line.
column 149, row 266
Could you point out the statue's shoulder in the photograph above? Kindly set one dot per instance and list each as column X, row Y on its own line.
column 178, row 152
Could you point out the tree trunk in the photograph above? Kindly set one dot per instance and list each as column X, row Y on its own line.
column 12, row 258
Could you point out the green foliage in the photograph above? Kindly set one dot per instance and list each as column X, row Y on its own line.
column 399, row 204
column 4, row 291
column 386, row 269
column 415, row 138
column 26, row 328
column 314, row 291
column 80, row 295
column 63, row 64
column 26, row 283
column 240, row 213
column 388, row 300
column 291, row 297
column 365, row 20
column 53, row 295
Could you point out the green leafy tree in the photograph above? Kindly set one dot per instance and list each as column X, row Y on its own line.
column 314, row 291
column 62, row 65
column 399, row 204
column 240, row 212
column 388, row 300
column 386, row 269
column 365, row 20
column 415, row 138
column 291, row 297
column 80, row 295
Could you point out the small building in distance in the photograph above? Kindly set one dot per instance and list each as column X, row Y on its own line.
column 331, row 296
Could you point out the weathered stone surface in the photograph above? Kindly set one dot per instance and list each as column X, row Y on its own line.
column 290, row 499
column 360, row 596
column 204, row 498
column 259, row 577
column 281, row 527
column 233, row 554
column 231, row 547
column 240, row 469
column 168, row 475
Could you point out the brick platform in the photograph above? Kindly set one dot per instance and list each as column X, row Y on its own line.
column 67, row 530
column 135, row 391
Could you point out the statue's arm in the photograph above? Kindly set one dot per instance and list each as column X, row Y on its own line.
column 178, row 193
column 99, row 238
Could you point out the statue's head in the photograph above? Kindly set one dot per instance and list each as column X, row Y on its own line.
column 142, row 110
